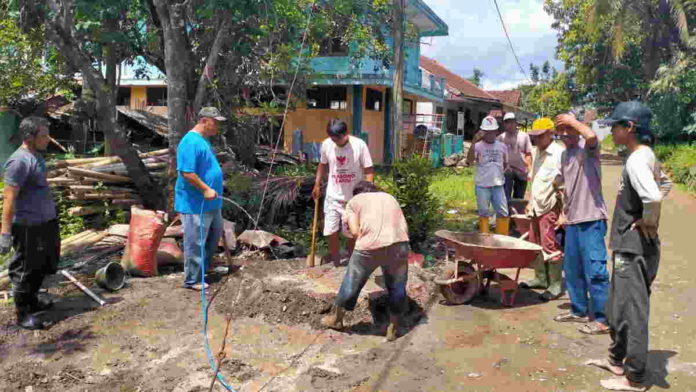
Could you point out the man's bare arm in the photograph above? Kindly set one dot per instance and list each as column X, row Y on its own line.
column 193, row 179
column 369, row 173
column 9, row 202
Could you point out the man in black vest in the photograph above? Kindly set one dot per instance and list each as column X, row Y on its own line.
column 636, row 248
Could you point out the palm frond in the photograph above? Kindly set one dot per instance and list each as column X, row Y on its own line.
column 681, row 20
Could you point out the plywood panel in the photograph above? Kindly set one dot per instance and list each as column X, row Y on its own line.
column 138, row 97
column 373, row 124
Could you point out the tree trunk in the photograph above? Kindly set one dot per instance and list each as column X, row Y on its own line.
column 60, row 31
column 210, row 63
column 398, row 91
column 171, row 15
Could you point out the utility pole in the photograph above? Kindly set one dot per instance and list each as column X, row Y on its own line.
column 398, row 90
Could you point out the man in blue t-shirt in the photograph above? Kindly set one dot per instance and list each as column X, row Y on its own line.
column 197, row 196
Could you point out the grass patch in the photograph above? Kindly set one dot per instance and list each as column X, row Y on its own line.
column 608, row 145
column 454, row 189
column 680, row 161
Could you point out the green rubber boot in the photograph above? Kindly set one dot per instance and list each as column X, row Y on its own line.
column 539, row 281
column 555, row 289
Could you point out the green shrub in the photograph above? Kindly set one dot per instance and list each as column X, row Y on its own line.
column 411, row 187
column 680, row 162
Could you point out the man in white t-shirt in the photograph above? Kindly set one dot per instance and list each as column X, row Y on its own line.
column 347, row 161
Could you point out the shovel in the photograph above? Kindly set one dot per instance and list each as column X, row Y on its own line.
column 313, row 249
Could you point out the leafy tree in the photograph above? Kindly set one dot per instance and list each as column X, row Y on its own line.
column 93, row 37
column 477, row 77
column 534, row 73
column 28, row 67
column 548, row 97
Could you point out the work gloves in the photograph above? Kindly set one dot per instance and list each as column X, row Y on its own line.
column 5, row 243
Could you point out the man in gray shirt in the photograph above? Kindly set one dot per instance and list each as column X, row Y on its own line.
column 29, row 222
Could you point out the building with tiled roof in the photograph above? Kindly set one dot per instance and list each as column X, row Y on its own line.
column 465, row 104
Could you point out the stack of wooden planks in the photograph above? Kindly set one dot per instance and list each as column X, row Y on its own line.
column 102, row 183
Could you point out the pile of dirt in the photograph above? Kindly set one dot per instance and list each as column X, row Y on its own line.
column 252, row 294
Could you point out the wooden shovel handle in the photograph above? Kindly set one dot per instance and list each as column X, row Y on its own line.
column 310, row 260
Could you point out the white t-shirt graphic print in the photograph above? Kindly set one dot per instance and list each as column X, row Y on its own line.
column 346, row 165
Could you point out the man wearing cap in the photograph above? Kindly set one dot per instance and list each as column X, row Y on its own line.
column 491, row 158
column 545, row 208
column 636, row 246
column 520, row 155
column 346, row 159
column 197, row 196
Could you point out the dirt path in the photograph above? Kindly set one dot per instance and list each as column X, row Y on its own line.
column 149, row 338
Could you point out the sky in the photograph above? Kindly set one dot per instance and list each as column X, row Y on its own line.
column 476, row 39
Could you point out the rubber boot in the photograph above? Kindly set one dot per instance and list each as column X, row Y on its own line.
column 39, row 305
column 393, row 328
column 540, row 280
column 555, row 289
column 502, row 226
column 484, row 224
column 335, row 319
column 25, row 318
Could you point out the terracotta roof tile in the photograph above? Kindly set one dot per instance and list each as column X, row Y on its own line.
column 453, row 80
column 511, row 97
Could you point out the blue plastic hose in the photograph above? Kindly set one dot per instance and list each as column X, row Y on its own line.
column 204, row 307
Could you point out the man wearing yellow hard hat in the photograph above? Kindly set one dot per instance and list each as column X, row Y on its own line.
column 545, row 207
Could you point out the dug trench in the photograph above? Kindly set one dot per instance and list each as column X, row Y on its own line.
column 148, row 338
column 283, row 293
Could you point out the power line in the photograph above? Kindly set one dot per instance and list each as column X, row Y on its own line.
column 512, row 48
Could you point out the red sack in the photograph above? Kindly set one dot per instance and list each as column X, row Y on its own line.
column 169, row 253
column 144, row 237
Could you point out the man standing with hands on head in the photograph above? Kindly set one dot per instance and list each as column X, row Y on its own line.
column 197, row 195
column 585, row 219
column 347, row 161
column 29, row 222
column 519, row 156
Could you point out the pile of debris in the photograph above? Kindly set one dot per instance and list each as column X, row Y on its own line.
column 102, row 183
column 457, row 160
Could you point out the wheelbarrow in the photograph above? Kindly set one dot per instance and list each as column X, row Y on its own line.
column 478, row 256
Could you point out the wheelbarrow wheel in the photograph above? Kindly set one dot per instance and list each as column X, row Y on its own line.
column 458, row 293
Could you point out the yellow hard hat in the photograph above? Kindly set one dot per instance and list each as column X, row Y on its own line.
column 541, row 125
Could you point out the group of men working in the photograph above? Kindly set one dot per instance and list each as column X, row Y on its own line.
column 565, row 193
column 568, row 214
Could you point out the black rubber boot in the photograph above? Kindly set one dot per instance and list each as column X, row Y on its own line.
column 39, row 304
column 25, row 318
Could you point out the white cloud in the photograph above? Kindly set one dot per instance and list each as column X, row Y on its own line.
column 476, row 39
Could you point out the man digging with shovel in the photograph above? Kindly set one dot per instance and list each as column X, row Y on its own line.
column 376, row 221
column 544, row 208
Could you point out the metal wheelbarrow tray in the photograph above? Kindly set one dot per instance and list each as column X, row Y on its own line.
column 484, row 254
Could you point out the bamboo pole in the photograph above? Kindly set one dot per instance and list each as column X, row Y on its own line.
column 85, row 161
column 102, row 195
column 97, row 175
column 77, row 236
column 91, row 210
column 87, row 188
column 83, row 243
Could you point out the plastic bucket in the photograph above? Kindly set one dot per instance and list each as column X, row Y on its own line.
column 112, row 277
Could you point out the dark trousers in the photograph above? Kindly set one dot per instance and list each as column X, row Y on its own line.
column 515, row 185
column 394, row 262
column 37, row 252
column 629, row 310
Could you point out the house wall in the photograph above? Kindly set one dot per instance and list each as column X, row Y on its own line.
column 138, row 96
column 373, row 124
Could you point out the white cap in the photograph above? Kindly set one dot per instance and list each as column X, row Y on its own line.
column 489, row 124
column 509, row 116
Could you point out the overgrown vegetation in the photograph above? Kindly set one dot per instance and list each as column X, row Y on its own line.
column 680, row 162
column 412, row 178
